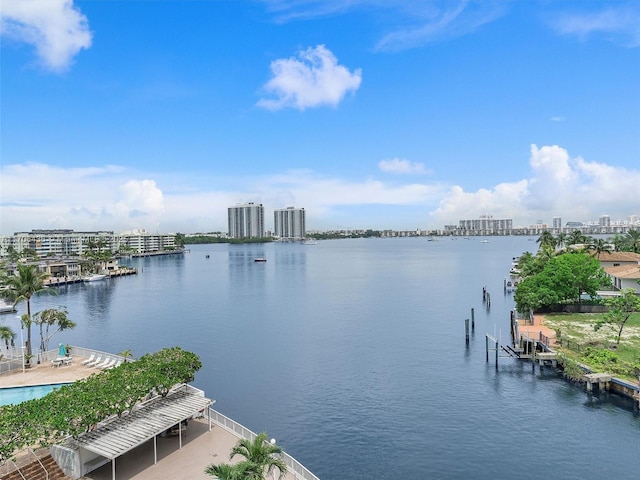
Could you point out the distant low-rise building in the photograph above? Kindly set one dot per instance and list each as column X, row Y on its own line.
column 49, row 243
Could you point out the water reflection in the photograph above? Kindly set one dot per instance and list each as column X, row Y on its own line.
column 97, row 298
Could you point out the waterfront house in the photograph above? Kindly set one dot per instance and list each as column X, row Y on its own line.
column 625, row 276
column 618, row 259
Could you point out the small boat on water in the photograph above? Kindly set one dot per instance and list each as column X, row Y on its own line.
column 6, row 307
column 94, row 277
column 259, row 259
column 309, row 241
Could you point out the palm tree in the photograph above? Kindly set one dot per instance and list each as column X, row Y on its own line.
column 21, row 287
column 632, row 239
column 245, row 470
column 6, row 334
column 576, row 237
column 180, row 239
column 561, row 238
column 598, row 246
column 51, row 317
column 546, row 239
column 261, row 453
column 126, row 354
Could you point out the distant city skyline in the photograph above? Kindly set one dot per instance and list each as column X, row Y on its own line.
column 381, row 115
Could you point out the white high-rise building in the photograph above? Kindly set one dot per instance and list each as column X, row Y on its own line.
column 289, row 223
column 246, row 221
column 557, row 222
column 604, row 221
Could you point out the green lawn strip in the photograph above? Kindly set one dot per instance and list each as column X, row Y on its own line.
column 597, row 349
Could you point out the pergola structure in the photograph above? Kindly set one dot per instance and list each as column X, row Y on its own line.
column 125, row 433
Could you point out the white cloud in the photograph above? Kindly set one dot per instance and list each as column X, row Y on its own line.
column 115, row 198
column 55, row 28
column 400, row 166
column 140, row 198
column 312, row 79
column 408, row 24
column 441, row 21
column 619, row 23
column 559, row 185
column 36, row 195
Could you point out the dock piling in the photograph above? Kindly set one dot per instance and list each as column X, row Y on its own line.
column 466, row 331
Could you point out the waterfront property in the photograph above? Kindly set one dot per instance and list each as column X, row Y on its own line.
column 337, row 351
column 63, row 242
column 175, row 436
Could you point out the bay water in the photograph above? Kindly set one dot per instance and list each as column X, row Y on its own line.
column 352, row 354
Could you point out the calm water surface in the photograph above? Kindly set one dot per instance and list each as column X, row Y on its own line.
column 351, row 353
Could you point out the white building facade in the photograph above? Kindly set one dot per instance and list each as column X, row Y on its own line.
column 47, row 243
column 246, row 221
column 289, row 223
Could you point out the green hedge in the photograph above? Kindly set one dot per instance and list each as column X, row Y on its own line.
column 77, row 408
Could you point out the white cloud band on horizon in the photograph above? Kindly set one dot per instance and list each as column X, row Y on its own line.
column 56, row 29
column 36, row 195
column 312, row 79
column 559, row 186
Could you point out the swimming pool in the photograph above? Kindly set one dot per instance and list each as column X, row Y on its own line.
column 22, row 394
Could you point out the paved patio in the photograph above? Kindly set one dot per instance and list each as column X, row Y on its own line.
column 199, row 449
column 537, row 328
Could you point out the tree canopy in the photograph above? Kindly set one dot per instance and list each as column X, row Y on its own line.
column 564, row 278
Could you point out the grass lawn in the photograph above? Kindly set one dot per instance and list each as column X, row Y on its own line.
column 598, row 349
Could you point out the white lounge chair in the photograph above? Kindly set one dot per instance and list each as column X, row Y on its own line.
column 95, row 362
column 115, row 365
column 103, row 364
column 89, row 360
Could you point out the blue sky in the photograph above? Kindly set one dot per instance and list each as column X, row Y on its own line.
column 160, row 114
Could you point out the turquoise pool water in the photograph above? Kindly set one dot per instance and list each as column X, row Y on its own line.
column 15, row 395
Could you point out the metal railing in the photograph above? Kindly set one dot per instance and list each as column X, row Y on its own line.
column 46, row 473
column 293, row 466
column 6, row 468
column 23, row 459
column 12, row 359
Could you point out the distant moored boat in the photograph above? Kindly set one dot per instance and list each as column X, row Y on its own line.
column 94, row 277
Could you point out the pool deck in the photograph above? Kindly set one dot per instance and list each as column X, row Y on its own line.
column 44, row 373
column 200, row 447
